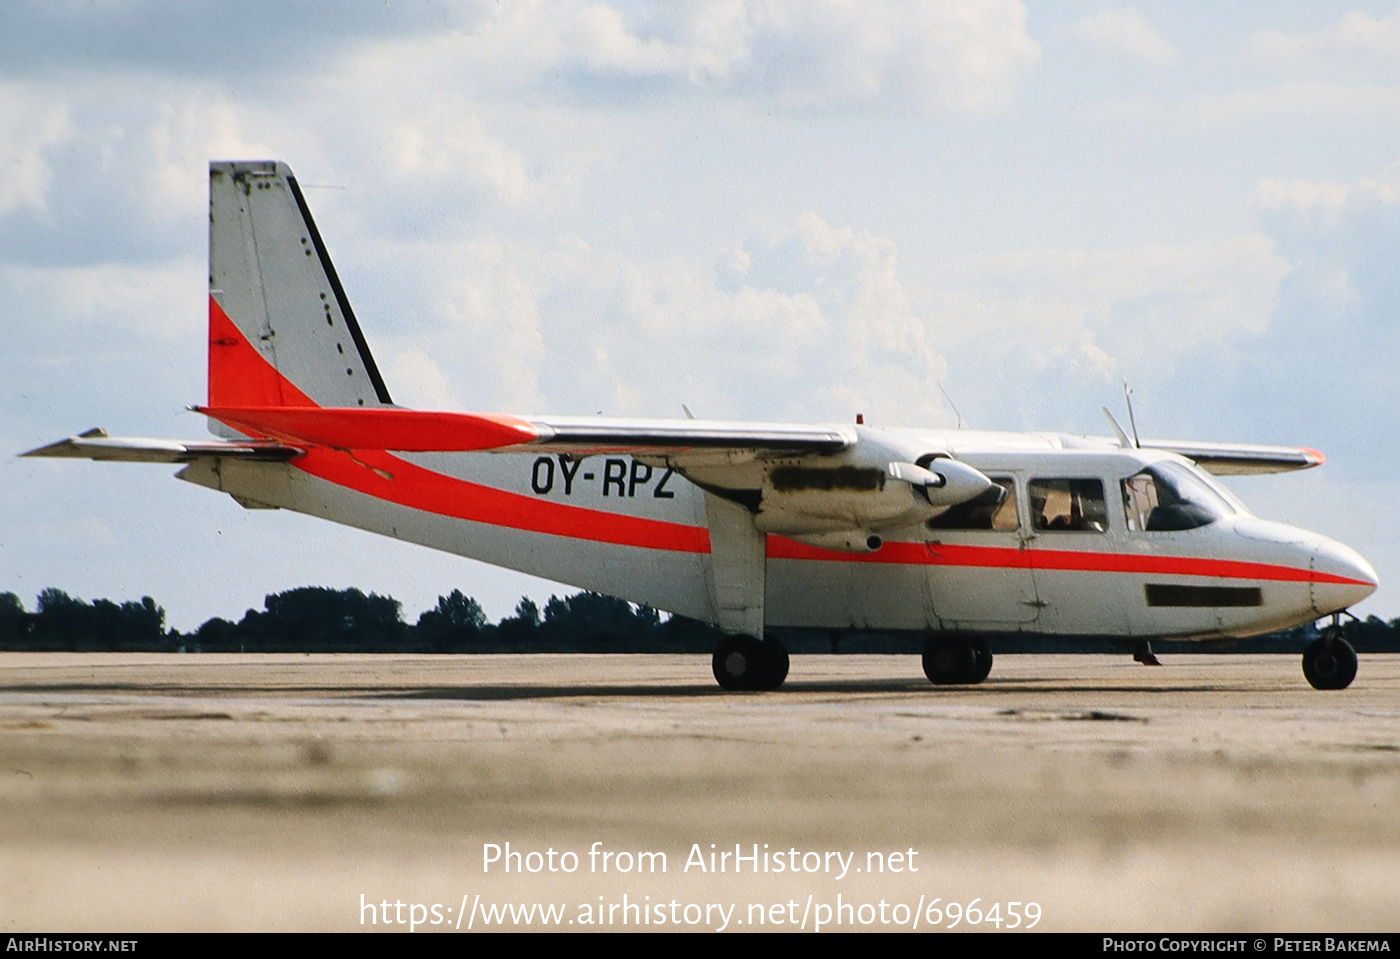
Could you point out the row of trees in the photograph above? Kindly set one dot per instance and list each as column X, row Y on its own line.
column 316, row 619
column 63, row 622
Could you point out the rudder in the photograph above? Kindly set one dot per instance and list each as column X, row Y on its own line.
column 281, row 330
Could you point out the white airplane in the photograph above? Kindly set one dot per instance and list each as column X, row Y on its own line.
column 758, row 528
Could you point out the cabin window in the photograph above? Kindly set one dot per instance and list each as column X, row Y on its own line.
column 1070, row 505
column 1168, row 496
column 995, row 510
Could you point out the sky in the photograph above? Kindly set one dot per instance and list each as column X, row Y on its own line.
column 981, row 212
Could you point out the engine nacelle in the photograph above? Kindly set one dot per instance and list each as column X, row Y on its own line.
column 943, row 482
column 853, row 500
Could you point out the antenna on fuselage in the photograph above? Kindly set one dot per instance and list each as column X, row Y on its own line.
column 1123, row 439
column 950, row 403
column 1132, row 421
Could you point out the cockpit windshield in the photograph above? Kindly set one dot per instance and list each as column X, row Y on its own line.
column 1225, row 492
column 1168, row 496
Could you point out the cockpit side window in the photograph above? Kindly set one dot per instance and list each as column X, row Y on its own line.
column 995, row 510
column 1139, row 499
column 1072, row 505
column 1168, row 497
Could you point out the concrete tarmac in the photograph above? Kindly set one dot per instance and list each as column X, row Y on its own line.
column 289, row 792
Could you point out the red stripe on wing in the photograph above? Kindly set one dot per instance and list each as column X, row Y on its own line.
column 380, row 428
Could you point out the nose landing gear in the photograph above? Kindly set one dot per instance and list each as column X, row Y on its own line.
column 1330, row 661
column 1143, row 654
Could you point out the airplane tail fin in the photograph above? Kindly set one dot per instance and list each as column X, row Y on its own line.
column 281, row 331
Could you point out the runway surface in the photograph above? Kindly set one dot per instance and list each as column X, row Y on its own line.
column 285, row 792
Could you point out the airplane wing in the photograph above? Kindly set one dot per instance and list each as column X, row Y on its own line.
column 1237, row 459
column 95, row 444
column 416, row 431
column 678, row 441
column 829, row 481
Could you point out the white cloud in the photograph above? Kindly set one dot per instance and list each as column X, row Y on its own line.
column 1339, row 238
column 1127, row 32
column 867, row 349
column 164, row 300
column 1320, row 100
column 813, row 322
column 716, row 39
column 1330, row 199
column 1336, row 235
column 448, row 143
column 1347, row 71
column 1374, row 41
column 942, row 54
column 1329, row 356
column 30, row 127
column 1316, row 101
column 406, row 123
column 955, row 56
column 789, row 54
column 417, row 381
column 491, row 334
column 1107, row 311
column 184, row 136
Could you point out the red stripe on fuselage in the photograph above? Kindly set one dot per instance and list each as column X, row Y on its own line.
column 1010, row 557
column 418, row 488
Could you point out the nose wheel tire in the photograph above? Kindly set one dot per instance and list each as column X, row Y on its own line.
column 1329, row 662
column 748, row 664
column 777, row 663
column 957, row 660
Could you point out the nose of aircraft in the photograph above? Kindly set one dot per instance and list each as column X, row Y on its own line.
column 1342, row 577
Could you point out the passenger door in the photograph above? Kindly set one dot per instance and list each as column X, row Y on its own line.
column 1076, row 552
column 979, row 571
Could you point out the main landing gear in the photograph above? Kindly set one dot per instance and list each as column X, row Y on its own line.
column 957, row 660
column 746, row 663
column 1330, row 661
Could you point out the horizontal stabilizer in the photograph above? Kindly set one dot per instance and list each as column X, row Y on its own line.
column 95, row 444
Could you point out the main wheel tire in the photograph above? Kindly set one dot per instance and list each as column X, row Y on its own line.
column 953, row 660
column 983, row 651
column 1329, row 663
column 738, row 663
column 746, row 664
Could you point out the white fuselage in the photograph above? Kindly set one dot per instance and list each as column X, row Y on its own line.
column 621, row 526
